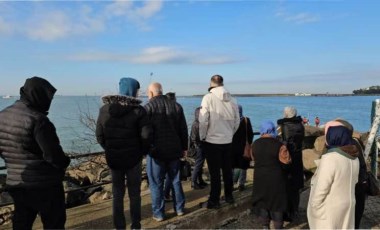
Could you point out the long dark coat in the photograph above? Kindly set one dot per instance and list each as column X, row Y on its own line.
column 238, row 144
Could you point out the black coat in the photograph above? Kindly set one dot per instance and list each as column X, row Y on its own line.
column 270, row 177
column 28, row 140
column 293, row 133
column 238, row 144
column 169, row 128
column 123, row 130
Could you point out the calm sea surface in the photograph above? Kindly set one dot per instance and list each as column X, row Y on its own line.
column 66, row 111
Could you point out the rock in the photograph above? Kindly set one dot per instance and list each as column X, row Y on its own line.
column 100, row 196
column 96, row 197
column 144, row 185
column 308, row 157
column 320, row 144
column 6, row 214
column 313, row 131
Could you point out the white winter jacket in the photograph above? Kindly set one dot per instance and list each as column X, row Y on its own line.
column 219, row 117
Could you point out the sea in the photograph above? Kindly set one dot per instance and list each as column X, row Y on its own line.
column 75, row 116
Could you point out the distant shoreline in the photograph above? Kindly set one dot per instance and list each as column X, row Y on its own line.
column 290, row 95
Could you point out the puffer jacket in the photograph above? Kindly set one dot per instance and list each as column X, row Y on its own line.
column 28, row 140
column 169, row 128
column 123, row 130
column 219, row 117
column 292, row 133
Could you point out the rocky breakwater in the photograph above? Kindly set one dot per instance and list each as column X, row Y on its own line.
column 314, row 146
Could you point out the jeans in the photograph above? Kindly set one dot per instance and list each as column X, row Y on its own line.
column 48, row 202
column 218, row 158
column 133, row 176
column 240, row 175
column 156, row 170
column 196, row 177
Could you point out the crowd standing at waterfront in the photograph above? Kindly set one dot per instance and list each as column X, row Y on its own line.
column 129, row 131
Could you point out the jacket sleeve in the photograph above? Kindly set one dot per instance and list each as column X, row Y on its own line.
column 146, row 131
column 204, row 116
column 47, row 139
column 249, row 131
column 184, row 135
column 322, row 184
column 99, row 130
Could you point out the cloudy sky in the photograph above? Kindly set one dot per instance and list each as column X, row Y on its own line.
column 85, row 47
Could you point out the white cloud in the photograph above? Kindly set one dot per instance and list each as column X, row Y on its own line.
column 137, row 14
column 157, row 55
column 49, row 24
column 298, row 18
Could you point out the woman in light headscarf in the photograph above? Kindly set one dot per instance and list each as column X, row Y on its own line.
column 332, row 196
column 269, row 184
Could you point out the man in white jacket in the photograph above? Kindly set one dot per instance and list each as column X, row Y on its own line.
column 218, row 121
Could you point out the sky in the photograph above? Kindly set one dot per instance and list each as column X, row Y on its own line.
column 85, row 47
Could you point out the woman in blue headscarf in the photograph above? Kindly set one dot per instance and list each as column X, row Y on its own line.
column 269, row 183
column 332, row 196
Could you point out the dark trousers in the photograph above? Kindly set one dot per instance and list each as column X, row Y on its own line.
column 132, row 179
column 196, row 177
column 293, row 200
column 218, row 158
column 360, row 196
column 48, row 202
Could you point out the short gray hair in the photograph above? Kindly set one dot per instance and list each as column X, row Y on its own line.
column 290, row 112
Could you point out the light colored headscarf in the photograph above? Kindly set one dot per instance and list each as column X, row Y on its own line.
column 290, row 112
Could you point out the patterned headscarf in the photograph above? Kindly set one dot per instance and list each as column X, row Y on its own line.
column 267, row 127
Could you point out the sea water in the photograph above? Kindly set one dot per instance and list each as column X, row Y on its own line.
column 66, row 113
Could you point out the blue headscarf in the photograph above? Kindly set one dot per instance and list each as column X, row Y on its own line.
column 338, row 136
column 128, row 86
column 267, row 127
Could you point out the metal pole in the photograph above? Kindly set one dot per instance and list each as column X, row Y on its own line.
column 371, row 146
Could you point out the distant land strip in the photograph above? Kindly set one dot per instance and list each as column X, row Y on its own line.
column 288, row 95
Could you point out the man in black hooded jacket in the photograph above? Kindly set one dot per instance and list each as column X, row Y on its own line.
column 124, row 131
column 34, row 158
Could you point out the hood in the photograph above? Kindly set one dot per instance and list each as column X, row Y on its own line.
column 37, row 93
column 221, row 93
column 297, row 119
column 120, row 105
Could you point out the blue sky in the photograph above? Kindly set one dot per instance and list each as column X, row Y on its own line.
column 257, row 46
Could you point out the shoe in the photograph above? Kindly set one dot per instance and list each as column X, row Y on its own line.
column 180, row 213
column 241, row 187
column 212, row 205
column 202, row 183
column 158, row 218
column 229, row 200
column 196, row 186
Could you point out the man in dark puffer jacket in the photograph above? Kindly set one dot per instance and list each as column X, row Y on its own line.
column 34, row 158
column 170, row 144
column 123, row 130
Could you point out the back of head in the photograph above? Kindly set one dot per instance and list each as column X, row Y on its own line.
column 267, row 127
column 338, row 136
column 171, row 96
column 216, row 81
column 154, row 89
column 240, row 111
column 290, row 112
column 37, row 93
column 128, row 87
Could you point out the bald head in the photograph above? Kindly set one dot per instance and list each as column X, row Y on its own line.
column 154, row 89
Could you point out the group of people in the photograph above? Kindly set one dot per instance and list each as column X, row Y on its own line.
column 129, row 131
